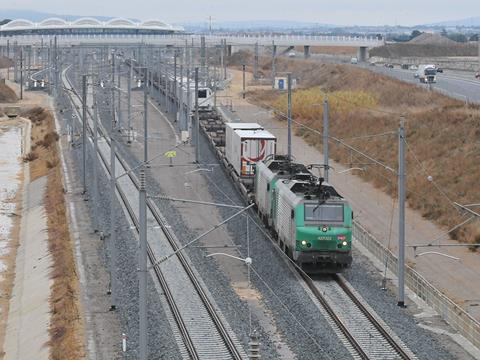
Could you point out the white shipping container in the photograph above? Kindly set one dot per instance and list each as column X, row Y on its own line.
column 230, row 129
column 250, row 147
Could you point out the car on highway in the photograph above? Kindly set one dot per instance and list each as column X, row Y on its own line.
column 353, row 60
column 439, row 70
column 390, row 66
column 413, row 67
column 477, row 75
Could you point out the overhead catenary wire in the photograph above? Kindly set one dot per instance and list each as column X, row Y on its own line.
column 335, row 139
column 284, row 306
column 341, row 142
column 282, row 255
column 450, row 201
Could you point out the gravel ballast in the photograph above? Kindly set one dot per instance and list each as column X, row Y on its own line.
column 161, row 343
column 296, row 316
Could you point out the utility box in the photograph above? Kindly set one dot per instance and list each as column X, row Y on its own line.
column 247, row 147
column 184, row 136
column 281, row 83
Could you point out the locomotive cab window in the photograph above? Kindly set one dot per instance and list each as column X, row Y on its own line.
column 324, row 212
column 202, row 94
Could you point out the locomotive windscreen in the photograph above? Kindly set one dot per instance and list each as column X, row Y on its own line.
column 324, row 212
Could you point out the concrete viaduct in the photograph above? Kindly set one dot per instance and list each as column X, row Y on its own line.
column 88, row 31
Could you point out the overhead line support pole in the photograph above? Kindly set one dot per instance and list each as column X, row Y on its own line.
column 95, row 162
column 175, row 94
column 113, row 91
column 112, row 240
column 197, row 121
column 84, row 131
column 142, row 266
column 129, row 105
column 326, row 114
column 21, row 73
column 119, row 104
column 401, row 214
column 255, row 63
column 243, row 74
column 289, row 115
column 274, row 63
column 145, row 119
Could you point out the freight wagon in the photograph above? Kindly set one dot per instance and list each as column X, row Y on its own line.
column 310, row 220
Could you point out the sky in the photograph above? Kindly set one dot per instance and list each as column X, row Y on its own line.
column 341, row 12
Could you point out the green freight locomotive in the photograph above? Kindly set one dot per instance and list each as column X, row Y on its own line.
column 312, row 222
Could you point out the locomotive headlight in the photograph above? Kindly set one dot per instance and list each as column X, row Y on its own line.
column 324, row 229
column 344, row 243
column 304, row 242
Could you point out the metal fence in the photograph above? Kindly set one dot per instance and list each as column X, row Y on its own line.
column 453, row 314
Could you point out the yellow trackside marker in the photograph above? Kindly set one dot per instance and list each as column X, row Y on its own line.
column 170, row 155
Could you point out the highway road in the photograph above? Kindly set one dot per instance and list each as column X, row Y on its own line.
column 457, row 84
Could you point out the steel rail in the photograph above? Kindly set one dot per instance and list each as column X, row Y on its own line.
column 170, row 237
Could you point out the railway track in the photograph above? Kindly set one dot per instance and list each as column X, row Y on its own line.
column 365, row 334
column 203, row 331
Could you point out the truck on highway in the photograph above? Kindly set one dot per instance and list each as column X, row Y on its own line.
column 427, row 74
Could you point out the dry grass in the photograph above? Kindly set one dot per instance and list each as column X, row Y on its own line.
column 43, row 133
column 65, row 324
column 443, row 134
column 7, row 95
column 5, row 62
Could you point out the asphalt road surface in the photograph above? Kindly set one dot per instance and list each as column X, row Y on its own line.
column 461, row 85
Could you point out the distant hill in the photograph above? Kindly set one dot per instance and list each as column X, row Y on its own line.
column 431, row 39
column 472, row 21
column 37, row 16
column 257, row 25
column 409, row 49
